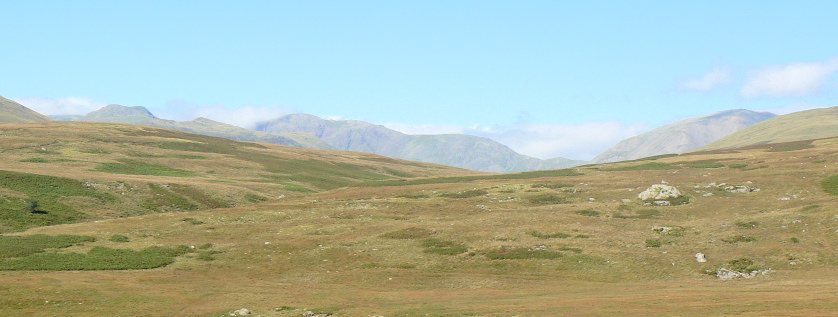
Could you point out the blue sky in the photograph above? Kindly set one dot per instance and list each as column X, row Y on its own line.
column 547, row 78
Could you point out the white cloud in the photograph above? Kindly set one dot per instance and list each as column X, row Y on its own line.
column 714, row 78
column 54, row 106
column 244, row 116
column 795, row 107
column 797, row 79
column 544, row 140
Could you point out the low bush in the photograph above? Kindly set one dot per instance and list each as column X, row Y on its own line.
column 98, row 258
column 653, row 243
column 443, row 247
column 587, row 212
column 539, row 234
column 547, row 199
column 739, row 238
column 18, row 246
column 521, row 254
column 408, row 233
column 119, row 238
column 466, row 194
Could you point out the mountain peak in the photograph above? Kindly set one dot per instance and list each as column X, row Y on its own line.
column 120, row 114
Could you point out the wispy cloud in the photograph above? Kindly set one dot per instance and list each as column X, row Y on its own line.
column 244, row 116
column 543, row 140
column 54, row 106
column 797, row 79
column 795, row 107
column 716, row 77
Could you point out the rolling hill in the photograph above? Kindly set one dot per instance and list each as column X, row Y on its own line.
column 148, row 221
column 117, row 170
column 682, row 136
column 13, row 112
column 459, row 150
column 797, row 126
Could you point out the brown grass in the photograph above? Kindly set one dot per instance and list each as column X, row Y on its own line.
column 330, row 251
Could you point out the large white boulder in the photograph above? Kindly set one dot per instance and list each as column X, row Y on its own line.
column 659, row 192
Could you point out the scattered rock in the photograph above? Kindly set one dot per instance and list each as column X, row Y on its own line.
column 312, row 314
column 740, row 189
column 659, row 192
column 726, row 274
column 662, row 203
column 240, row 312
column 625, row 201
column 699, row 257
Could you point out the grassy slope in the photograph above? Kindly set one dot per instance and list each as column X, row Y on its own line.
column 13, row 112
column 803, row 125
column 386, row 250
column 118, row 170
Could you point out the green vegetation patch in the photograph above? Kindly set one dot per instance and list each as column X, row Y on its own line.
column 414, row 196
column 443, row 247
column 743, row 265
column 465, row 179
column 46, row 191
column 466, row 194
column 738, row 165
column 408, row 233
column 522, row 254
column 653, row 243
column 20, row 246
column 163, row 200
column 547, row 199
column 35, row 160
column 587, row 212
column 739, row 238
column 552, row 186
column 643, row 167
column 132, row 167
column 703, row 164
column 98, row 258
column 791, row 146
column 539, row 234
column 119, row 238
column 198, row 196
column 830, row 184
column 640, row 214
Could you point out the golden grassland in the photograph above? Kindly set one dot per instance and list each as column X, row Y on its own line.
column 576, row 243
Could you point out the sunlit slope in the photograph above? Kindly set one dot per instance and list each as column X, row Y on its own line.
column 13, row 112
column 797, row 126
column 84, row 170
column 682, row 136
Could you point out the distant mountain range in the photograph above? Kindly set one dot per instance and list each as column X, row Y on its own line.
column 682, row 136
column 13, row 112
column 302, row 130
column 721, row 130
column 460, row 150
column 797, row 126
column 141, row 116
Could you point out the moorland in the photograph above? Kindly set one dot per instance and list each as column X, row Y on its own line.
column 123, row 220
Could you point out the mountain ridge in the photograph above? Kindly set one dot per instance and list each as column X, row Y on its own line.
column 682, row 136
column 797, row 126
column 13, row 112
column 448, row 149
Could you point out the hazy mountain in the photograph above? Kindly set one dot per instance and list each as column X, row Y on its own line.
column 13, row 112
column 141, row 116
column 460, row 150
column 682, row 136
column 797, row 126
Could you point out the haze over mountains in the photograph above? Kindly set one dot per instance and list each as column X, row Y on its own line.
column 714, row 131
column 682, row 136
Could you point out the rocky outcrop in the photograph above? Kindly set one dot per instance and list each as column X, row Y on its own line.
column 660, row 192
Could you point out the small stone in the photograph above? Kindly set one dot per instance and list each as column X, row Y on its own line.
column 240, row 312
column 699, row 257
